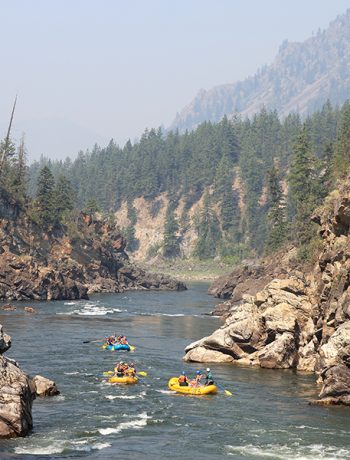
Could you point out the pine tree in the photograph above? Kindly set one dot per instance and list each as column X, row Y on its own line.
column 64, row 196
column 130, row 235
column 277, row 227
column 91, row 207
column 171, row 240
column 341, row 160
column 208, row 230
column 302, row 193
column 45, row 198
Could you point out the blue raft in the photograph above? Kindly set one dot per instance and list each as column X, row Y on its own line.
column 118, row 347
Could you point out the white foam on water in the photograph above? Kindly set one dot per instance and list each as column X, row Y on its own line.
column 102, row 445
column 139, row 396
column 58, row 398
column 71, row 373
column 54, row 448
column 165, row 392
column 168, row 314
column 70, row 303
column 294, row 451
column 138, row 424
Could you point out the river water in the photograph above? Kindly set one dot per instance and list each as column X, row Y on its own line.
column 268, row 415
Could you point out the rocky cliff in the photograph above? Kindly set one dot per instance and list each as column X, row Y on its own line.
column 68, row 262
column 16, row 395
column 301, row 78
column 300, row 320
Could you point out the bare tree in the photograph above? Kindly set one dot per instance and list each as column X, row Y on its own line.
column 5, row 149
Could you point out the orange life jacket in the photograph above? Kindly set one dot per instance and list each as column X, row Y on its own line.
column 182, row 379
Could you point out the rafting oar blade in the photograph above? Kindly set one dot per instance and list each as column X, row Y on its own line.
column 107, row 373
column 93, row 341
column 132, row 348
column 227, row 393
column 142, row 373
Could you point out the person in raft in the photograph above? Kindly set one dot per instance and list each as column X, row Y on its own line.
column 131, row 370
column 198, row 378
column 122, row 340
column 196, row 382
column 209, row 379
column 110, row 340
column 121, row 369
column 183, row 381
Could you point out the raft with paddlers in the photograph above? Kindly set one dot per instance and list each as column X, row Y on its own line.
column 114, row 343
column 117, row 346
column 174, row 385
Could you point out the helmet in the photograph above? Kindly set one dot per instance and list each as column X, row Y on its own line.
column 208, row 369
column 183, row 372
column 198, row 372
column 120, row 362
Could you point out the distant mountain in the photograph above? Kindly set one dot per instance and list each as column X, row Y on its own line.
column 301, row 78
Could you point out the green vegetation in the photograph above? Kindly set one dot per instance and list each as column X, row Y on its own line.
column 259, row 180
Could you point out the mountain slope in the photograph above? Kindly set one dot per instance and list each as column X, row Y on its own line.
column 300, row 79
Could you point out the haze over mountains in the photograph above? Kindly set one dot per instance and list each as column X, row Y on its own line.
column 301, row 78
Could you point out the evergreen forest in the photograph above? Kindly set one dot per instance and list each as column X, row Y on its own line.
column 259, row 179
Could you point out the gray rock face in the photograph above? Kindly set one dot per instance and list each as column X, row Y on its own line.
column 16, row 398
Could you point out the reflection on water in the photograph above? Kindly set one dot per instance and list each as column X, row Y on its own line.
column 268, row 416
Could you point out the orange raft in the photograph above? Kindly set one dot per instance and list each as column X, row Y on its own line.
column 173, row 385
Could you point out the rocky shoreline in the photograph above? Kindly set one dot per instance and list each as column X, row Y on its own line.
column 297, row 320
column 59, row 264
column 17, row 395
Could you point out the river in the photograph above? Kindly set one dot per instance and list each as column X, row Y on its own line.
column 268, row 415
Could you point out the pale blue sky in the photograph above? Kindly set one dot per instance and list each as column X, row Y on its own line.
column 89, row 70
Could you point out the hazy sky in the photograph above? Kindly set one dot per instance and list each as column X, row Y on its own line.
column 90, row 70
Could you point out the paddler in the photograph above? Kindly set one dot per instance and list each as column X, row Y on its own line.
column 198, row 378
column 209, row 379
column 119, row 369
column 124, row 340
column 183, row 381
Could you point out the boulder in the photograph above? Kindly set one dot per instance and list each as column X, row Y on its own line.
column 338, row 341
column 280, row 354
column 336, row 385
column 280, row 318
column 5, row 341
column 204, row 355
column 16, row 399
column 44, row 386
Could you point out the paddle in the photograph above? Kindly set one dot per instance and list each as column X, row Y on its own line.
column 93, row 341
column 227, row 393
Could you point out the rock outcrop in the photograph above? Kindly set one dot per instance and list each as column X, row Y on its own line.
column 299, row 321
column 16, row 395
column 267, row 330
column 250, row 278
column 68, row 263
column 44, row 386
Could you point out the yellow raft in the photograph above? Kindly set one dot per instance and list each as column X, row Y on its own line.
column 173, row 385
column 128, row 380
